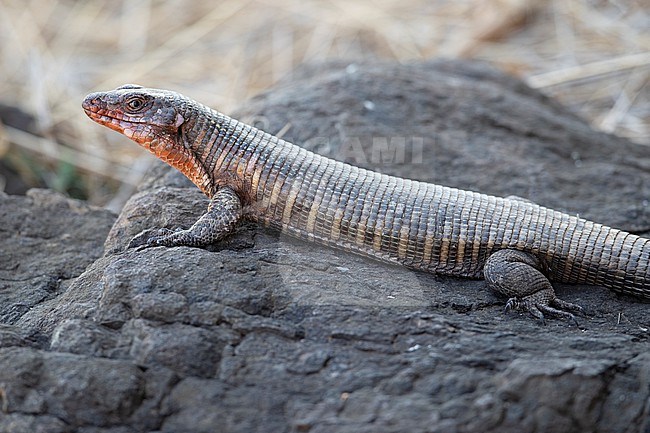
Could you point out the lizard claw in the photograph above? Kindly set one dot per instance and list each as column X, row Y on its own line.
column 516, row 304
column 512, row 304
column 149, row 238
column 538, row 308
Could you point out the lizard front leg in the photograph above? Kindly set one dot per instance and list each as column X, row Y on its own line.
column 224, row 212
column 518, row 275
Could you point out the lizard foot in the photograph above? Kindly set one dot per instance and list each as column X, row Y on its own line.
column 151, row 238
column 224, row 212
column 544, row 302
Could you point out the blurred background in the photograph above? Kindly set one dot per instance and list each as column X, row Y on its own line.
column 591, row 55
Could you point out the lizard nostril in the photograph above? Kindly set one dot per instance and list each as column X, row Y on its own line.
column 91, row 100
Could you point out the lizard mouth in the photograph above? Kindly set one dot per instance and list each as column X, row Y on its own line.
column 100, row 116
column 94, row 115
column 113, row 123
column 131, row 128
column 128, row 127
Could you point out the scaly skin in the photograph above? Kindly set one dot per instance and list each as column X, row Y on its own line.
column 517, row 246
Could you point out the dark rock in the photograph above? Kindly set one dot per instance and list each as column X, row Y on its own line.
column 77, row 390
column 262, row 333
column 47, row 241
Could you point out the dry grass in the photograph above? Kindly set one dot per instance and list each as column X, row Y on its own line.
column 592, row 55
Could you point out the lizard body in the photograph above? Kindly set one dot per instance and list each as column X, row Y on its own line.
column 517, row 246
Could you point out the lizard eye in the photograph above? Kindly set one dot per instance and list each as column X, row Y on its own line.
column 135, row 103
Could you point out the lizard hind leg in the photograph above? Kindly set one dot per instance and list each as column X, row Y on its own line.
column 518, row 275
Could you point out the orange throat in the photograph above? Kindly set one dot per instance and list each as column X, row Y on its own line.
column 181, row 159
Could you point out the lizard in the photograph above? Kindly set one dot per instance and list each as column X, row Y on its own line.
column 517, row 246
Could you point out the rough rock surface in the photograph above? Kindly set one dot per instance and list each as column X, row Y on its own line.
column 265, row 334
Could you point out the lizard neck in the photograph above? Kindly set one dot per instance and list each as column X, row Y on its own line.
column 201, row 137
column 221, row 148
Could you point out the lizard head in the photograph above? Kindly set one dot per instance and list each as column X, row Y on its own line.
column 152, row 118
